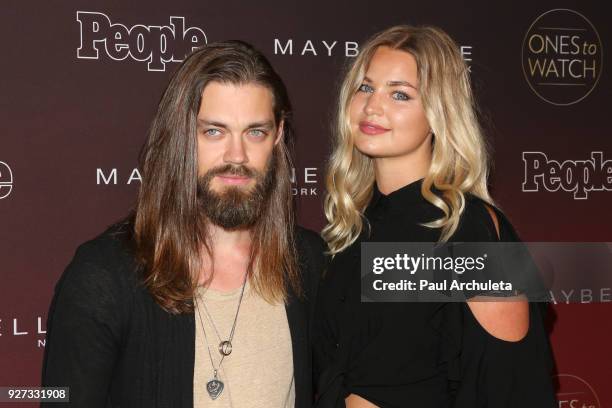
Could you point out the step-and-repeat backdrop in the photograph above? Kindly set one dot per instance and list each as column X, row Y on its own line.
column 80, row 81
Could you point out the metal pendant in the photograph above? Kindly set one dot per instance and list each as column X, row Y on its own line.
column 225, row 347
column 214, row 388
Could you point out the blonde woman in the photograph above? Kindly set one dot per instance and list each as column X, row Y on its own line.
column 410, row 164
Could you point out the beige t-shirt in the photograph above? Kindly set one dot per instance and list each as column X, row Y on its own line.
column 259, row 371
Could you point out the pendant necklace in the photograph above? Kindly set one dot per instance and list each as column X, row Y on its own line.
column 215, row 386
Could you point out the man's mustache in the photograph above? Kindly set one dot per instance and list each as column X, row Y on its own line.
column 233, row 170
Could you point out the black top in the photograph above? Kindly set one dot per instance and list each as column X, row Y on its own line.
column 114, row 346
column 425, row 355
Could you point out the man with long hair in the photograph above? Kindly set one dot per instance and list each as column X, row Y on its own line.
column 202, row 297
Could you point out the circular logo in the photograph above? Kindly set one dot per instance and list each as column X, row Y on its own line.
column 6, row 180
column 562, row 57
column 574, row 392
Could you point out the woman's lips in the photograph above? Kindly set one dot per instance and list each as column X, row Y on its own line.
column 370, row 128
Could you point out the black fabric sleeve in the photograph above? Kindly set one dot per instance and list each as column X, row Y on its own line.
column 84, row 330
column 503, row 374
column 496, row 373
column 315, row 261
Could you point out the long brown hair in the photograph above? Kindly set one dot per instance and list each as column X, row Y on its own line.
column 168, row 233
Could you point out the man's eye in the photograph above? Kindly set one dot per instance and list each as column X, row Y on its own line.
column 212, row 132
column 400, row 96
column 365, row 88
column 257, row 132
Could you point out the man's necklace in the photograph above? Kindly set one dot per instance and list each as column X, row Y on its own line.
column 215, row 386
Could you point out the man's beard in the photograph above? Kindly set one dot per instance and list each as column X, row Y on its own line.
column 235, row 207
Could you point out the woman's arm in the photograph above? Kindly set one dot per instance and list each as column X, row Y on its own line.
column 506, row 318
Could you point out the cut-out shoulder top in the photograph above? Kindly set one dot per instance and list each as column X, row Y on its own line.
column 425, row 355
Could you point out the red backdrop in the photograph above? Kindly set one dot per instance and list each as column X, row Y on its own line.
column 80, row 84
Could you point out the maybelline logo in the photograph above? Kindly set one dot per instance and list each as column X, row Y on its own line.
column 333, row 47
column 110, row 176
column 310, row 47
column 575, row 176
column 582, row 295
column 6, row 180
column 304, row 179
column 154, row 44
column 20, row 327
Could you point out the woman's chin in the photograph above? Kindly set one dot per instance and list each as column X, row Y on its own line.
column 370, row 148
column 374, row 152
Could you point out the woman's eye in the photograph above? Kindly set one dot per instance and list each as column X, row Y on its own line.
column 400, row 96
column 364, row 88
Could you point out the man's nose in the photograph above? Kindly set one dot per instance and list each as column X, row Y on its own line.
column 235, row 151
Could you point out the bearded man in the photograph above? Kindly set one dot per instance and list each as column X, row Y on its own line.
column 203, row 296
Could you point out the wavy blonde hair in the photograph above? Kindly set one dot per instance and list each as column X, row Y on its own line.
column 459, row 163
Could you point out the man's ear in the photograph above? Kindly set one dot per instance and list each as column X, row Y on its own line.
column 279, row 132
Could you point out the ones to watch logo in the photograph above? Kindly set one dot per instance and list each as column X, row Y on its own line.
column 576, row 176
column 6, row 180
column 562, row 57
column 575, row 392
column 154, row 44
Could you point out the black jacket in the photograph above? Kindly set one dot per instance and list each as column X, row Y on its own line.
column 114, row 346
